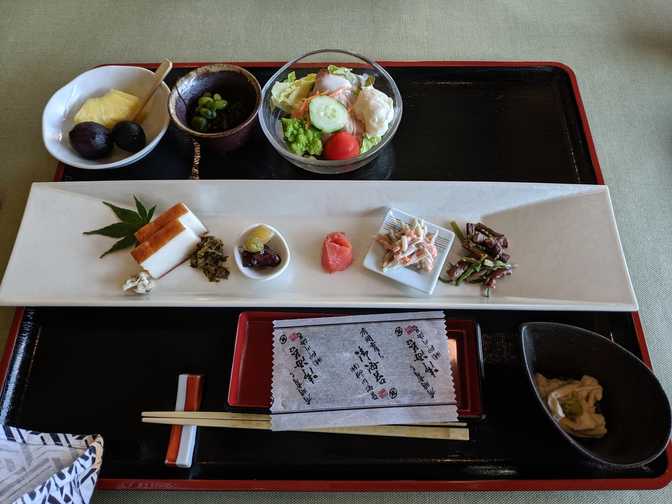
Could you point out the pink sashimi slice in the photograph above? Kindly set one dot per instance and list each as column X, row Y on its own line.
column 336, row 252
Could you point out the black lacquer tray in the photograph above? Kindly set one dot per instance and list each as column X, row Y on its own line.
column 521, row 122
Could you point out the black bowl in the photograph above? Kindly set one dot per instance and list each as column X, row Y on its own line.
column 234, row 83
column 634, row 404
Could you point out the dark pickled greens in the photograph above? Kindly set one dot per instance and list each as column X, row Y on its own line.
column 209, row 257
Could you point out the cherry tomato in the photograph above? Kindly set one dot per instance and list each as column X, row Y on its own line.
column 341, row 145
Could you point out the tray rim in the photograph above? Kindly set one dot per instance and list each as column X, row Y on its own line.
column 399, row 485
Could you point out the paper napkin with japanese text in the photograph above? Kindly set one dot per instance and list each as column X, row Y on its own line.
column 362, row 370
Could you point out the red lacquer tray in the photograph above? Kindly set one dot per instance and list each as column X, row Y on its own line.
column 250, row 383
column 508, row 121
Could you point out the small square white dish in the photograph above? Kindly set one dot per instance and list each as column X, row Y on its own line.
column 413, row 277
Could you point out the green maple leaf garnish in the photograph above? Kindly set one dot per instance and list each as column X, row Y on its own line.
column 131, row 221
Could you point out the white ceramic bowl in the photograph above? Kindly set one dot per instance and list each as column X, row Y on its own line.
column 277, row 243
column 64, row 104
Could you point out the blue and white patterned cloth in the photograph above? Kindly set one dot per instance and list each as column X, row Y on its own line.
column 37, row 467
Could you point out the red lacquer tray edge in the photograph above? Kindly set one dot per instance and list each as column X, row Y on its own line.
column 400, row 485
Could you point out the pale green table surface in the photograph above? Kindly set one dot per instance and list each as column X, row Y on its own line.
column 621, row 52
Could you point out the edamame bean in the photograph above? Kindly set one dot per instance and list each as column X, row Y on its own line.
column 207, row 115
column 219, row 104
column 199, row 123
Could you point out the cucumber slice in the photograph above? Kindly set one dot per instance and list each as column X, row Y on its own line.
column 327, row 114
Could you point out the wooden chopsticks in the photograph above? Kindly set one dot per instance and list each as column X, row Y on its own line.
column 214, row 415
column 456, row 431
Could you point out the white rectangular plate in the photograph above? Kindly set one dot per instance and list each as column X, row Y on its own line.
column 562, row 237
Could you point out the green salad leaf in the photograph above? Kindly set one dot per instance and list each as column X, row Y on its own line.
column 301, row 138
column 368, row 142
column 338, row 70
column 356, row 80
column 288, row 94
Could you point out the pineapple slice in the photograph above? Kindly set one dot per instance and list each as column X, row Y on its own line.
column 108, row 110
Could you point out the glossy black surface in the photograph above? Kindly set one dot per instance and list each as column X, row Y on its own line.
column 94, row 370
column 514, row 124
column 634, row 404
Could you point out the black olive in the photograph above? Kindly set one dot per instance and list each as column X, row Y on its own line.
column 91, row 140
column 129, row 136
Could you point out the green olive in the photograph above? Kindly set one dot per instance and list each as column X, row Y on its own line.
column 217, row 96
column 207, row 113
column 199, row 123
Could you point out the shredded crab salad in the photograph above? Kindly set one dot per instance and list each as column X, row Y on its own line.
column 408, row 245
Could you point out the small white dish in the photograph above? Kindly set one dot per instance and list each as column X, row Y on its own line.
column 64, row 104
column 421, row 280
column 277, row 243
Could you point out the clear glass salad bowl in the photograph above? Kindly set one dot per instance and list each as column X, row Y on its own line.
column 313, row 61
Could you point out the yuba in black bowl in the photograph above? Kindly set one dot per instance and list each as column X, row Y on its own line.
column 635, row 407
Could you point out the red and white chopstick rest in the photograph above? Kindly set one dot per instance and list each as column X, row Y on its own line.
column 180, row 451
